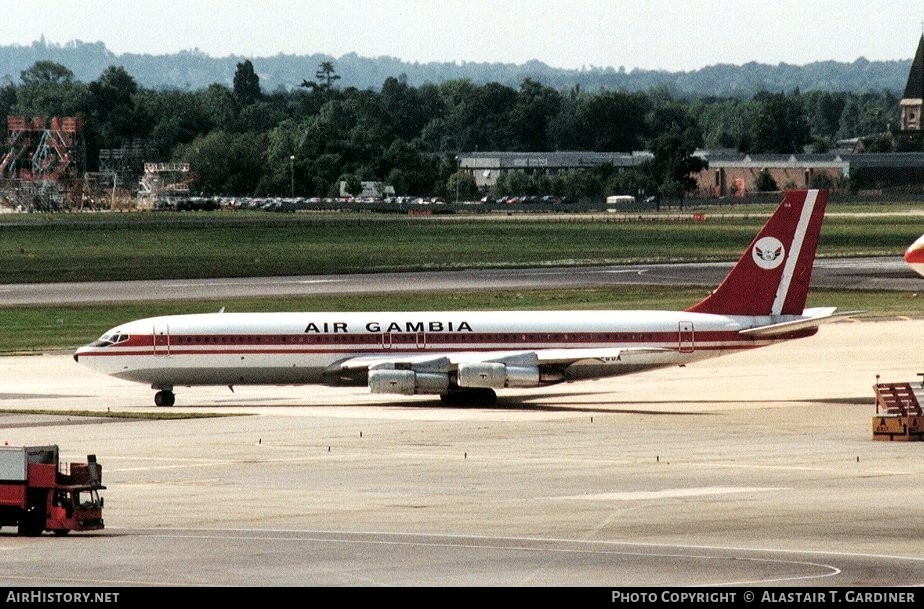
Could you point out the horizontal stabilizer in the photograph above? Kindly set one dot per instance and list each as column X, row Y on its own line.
column 813, row 318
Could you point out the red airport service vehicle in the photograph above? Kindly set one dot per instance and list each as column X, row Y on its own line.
column 37, row 494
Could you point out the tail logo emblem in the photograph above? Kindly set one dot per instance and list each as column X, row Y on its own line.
column 768, row 253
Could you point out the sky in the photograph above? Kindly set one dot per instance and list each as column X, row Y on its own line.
column 672, row 35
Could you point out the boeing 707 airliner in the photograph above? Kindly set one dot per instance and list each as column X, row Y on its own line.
column 465, row 356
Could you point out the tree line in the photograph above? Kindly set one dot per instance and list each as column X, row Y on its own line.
column 243, row 141
column 194, row 69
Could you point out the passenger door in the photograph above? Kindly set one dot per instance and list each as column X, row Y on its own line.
column 161, row 339
column 686, row 342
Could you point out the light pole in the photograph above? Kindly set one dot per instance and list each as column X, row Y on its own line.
column 292, row 176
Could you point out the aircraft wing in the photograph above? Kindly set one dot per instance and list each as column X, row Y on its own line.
column 444, row 362
column 602, row 354
column 812, row 318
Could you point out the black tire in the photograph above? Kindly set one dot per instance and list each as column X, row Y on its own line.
column 477, row 398
column 61, row 532
column 164, row 398
column 32, row 523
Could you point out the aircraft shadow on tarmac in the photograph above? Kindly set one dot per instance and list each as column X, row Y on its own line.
column 505, row 404
column 563, row 403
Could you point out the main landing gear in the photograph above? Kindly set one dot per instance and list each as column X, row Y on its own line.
column 164, row 397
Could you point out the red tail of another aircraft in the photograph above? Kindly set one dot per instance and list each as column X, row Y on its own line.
column 914, row 255
column 772, row 276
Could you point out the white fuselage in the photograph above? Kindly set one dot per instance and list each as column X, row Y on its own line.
column 303, row 348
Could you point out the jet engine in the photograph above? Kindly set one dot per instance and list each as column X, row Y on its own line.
column 497, row 375
column 407, row 382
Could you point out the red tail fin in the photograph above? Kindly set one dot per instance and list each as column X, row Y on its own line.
column 772, row 276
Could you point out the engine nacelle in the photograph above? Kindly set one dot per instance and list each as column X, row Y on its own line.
column 407, row 382
column 496, row 375
column 522, row 376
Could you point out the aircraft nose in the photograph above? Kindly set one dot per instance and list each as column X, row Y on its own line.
column 77, row 354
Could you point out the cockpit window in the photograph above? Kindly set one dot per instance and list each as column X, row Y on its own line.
column 111, row 339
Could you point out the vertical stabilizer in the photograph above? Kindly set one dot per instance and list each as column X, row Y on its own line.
column 772, row 276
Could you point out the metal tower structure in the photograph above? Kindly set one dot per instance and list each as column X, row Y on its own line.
column 164, row 183
column 127, row 162
column 42, row 161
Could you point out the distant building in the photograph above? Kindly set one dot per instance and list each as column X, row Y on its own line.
column 912, row 102
column 729, row 173
column 487, row 167
column 734, row 173
column 910, row 136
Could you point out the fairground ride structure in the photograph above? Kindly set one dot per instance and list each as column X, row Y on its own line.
column 44, row 159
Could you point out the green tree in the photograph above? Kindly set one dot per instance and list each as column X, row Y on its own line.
column 465, row 122
column 209, row 157
column 217, row 103
column 326, row 74
column 782, row 125
column 408, row 169
column 824, row 110
column 113, row 108
column 512, row 183
column 177, row 117
column 324, row 78
column 354, row 184
column 531, row 115
column 674, row 165
column 46, row 72
column 579, row 185
column 725, row 123
column 260, row 116
column 225, row 163
column 246, row 84
column 404, row 110
column 321, row 175
column 8, row 93
column 821, row 180
column 461, row 186
column 48, row 89
column 764, row 182
column 283, row 143
column 882, row 142
column 631, row 181
column 868, row 115
column 605, row 122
